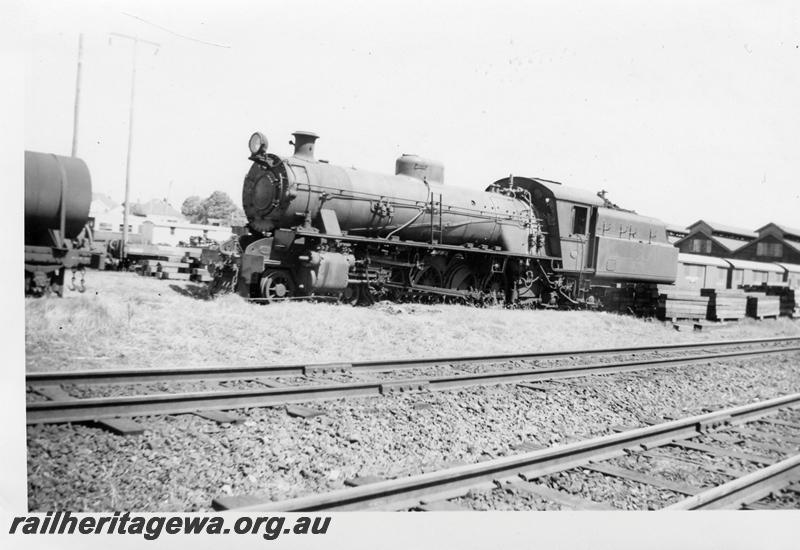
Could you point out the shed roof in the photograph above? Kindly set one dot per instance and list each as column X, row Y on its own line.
column 785, row 228
column 675, row 228
column 673, row 239
column 697, row 259
column 722, row 228
column 102, row 199
column 791, row 244
column 791, row 268
column 156, row 207
column 730, row 244
column 755, row 266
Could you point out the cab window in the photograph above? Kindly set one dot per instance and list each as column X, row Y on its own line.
column 579, row 216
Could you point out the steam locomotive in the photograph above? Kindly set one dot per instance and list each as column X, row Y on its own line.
column 316, row 229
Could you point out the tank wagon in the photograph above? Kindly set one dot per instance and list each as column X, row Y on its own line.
column 317, row 229
column 58, row 194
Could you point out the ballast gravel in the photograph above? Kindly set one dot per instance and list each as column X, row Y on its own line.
column 182, row 462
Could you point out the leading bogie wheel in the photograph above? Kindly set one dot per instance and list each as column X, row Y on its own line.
column 276, row 285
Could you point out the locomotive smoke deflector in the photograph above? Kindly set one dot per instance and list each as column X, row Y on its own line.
column 304, row 145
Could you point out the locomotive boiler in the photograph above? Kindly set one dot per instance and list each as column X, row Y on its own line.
column 317, row 229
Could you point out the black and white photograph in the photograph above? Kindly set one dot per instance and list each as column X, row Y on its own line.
column 295, row 270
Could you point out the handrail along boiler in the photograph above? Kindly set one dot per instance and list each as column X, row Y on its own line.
column 317, row 229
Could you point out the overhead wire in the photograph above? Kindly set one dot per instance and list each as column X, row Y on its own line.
column 179, row 35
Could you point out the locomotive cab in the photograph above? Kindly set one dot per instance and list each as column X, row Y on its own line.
column 598, row 243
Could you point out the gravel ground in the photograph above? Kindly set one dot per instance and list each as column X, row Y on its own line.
column 508, row 498
column 182, row 462
column 704, row 462
column 444, row 370
column 125, row 320
column 620, row 494
column 672, row 470
column 786, row 499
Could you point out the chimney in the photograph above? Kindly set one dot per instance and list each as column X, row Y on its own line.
column 304, row 145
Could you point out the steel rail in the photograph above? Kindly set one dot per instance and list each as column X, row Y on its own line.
column 746, row 489
column 97, row 376
column 76, row 410
column 449, row 483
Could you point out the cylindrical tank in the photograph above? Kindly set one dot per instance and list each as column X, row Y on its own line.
column 53, row 183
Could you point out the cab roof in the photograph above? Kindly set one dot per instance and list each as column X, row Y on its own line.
column 557, row 190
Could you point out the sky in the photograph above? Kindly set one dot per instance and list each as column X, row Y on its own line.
column 680, row 110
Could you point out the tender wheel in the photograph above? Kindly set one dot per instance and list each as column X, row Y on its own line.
column 276, row 285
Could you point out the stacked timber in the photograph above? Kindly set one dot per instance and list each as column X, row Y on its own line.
column 788, row 305
column 760, row 305
column 725, row 304
column 674, row 303
column 162, row 269
column 792, row 310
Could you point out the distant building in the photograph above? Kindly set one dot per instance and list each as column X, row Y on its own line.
column 774, row 243
column 714, row 239
column 172, row 233
column 158, row 209
column 675, row 233
column 107, row 214
column 153, row 222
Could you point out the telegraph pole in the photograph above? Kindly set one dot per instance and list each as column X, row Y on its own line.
column 136, row 40
column 77, row 98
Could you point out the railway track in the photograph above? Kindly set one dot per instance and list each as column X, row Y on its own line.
column 449, row 489
column 63, row 408
column 121, row 376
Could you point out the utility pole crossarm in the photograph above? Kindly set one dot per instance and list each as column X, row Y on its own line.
column 156, row 45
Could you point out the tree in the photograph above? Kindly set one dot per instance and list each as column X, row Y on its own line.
column 193, row 209
column 217, row 206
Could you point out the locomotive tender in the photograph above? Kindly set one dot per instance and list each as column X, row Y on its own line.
column 317, row 229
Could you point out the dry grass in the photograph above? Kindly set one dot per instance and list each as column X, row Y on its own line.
column 125, row 320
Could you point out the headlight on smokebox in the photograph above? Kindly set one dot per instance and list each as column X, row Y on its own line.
column 258, row 143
